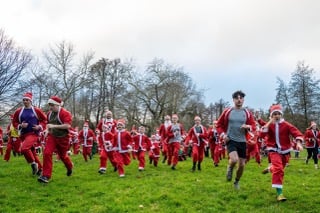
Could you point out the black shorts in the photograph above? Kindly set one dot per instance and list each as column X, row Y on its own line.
column 239, row 147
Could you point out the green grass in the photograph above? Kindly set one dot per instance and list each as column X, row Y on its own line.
column 156, row 189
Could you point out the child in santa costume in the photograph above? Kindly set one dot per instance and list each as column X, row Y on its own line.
column 122, row 145
column 105, row 143
column 14, row 142
column 154, row 153
column 175, row 136
column 252, row 146
column 141, row 144
column 197, row 139
column 279, row 145
column 30, row 121
column 86, row 138
column 74, row 142
column 214, row 144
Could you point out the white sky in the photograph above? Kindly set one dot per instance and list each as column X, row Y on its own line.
column 224, row 45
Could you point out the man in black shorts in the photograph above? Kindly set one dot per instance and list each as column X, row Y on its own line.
column 234, row 124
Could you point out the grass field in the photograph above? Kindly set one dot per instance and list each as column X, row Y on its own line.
column 157, row 189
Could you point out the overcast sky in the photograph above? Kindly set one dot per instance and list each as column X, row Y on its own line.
column 223, row 45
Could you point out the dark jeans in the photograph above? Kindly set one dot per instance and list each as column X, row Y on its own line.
column 313, row 152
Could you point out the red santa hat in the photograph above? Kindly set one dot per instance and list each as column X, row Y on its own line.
column 55, row 100
column 86, row 124
column 27, row 95
column 121, row 121
column 276, row 108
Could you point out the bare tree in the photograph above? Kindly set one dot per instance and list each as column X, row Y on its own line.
column 65, row 77
column 163, row 89
column 111, row 81
column 13, row 60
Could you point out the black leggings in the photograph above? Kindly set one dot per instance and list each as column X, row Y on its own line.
column 313, row 152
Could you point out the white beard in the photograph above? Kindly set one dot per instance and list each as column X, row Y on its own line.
column 167, row 124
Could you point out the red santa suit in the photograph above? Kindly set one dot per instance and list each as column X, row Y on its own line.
column 86, row 138
column 106, row 151
column 29, row 137
column 197, row 138
column 14, row 142
column 141, row 144
column 57, row 140
column 214, row 145
column 279, row 146
column 175, row 133
column 163, row 137
column 154, row 153
column 74, row 142
column 253, row 148
column 122, row 145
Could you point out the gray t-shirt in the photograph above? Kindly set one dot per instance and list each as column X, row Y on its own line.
column 237, row 117
column 175, row 128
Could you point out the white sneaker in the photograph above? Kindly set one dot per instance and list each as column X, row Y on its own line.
column 122, row 175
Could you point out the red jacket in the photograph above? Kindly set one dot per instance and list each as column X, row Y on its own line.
column 283, row 145
column 105, row 141
column 171, row 135
column 41, row 116
column 143, row 146
column 110, row 122
column 223, row 121
column 197, row 140
column 122, row 141
column 311, row 139
column 86, row 138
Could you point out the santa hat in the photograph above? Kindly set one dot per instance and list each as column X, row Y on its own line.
column 27, row 95
column 86, row 123
column 55, row 100
column 121, row 121
column 276, row 108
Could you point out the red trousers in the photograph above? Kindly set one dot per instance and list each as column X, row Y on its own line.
column 173, row 153
column 60, row 146
column 215, row 151
column 75, row 147
column 154, row 155
column 13, row 143
column 253, row 151
column 122, row 159
column 197, row 153
column 141, row 158
column 28, row 148
column 165, row 149
column 278, row 162
column 86, row 151
column 104, row 156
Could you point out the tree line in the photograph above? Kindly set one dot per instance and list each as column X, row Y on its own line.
column 142, row 97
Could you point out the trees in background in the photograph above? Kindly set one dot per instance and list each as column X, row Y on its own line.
column 142, row 97
column 300, row 97
column 13, row 61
